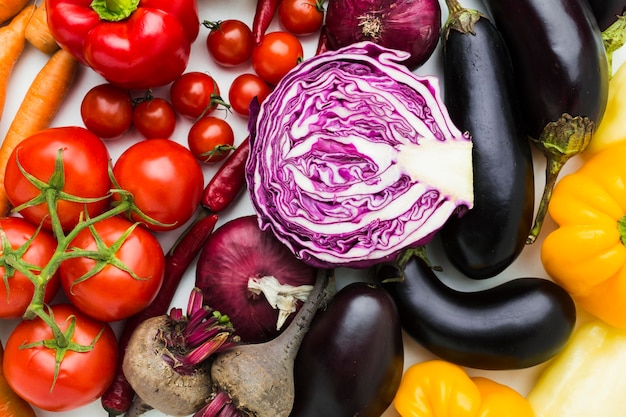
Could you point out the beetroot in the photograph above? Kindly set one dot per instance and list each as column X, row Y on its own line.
column 250, row 276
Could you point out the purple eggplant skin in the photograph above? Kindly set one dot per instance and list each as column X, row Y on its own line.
column 558, row 57
column 351, row 360
column 606, row 11
column 481, row 98
column 515, row 325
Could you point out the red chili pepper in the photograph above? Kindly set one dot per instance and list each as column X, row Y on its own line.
column 228, row 181
column 265, row 12
column 322, row 43
column 119, row 396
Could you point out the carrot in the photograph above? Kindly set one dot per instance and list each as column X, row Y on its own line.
column 38, row 33
column 10, row 9
column 41, row 103
column 13, row 41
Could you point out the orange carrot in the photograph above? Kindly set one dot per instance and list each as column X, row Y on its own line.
column 38, row 33
column 10, row 8
column 12, row 39
column 39, row 107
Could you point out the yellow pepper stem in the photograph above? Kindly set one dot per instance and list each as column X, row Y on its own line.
column 559, row 141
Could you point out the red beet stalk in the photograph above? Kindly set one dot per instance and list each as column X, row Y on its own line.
column 228, row 181
column 265, row 11
column 119, row 396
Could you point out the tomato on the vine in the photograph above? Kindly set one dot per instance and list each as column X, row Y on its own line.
column 154, row 117
column 243, row 89
column 211, row 139
column 107, row 111
column 17, row 292
column 85, row 174
column 195, row 94
column 29, row 366
column 165, row 179
column 124, row 284
column 276, row 55
column 301, row 17
column 229, row 42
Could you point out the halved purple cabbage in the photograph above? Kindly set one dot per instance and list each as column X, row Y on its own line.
column 354, row 158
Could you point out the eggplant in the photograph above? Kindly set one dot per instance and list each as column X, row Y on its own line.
column 561, row 74
column 351, row 360
column 558, row 57
column 481, row 99
column 606, row 11
column 518, row 324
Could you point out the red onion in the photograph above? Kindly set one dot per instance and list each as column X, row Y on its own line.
column 250, row 276
column 412, row 26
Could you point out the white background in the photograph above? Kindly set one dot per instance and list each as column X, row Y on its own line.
column 32, row 60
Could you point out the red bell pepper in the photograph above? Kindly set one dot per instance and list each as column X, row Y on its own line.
column 136, row 44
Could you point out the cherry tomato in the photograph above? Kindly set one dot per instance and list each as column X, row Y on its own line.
column 211, row 139
column 195, row 94
column 85, row 164
column 112, row 293
column 107, row 111
column 230, row 42
column 301, row 17
column 155, row 117
column 165, row 179
column 278, row 53
column 17, row 292
column 243, row 89
column 82, row 376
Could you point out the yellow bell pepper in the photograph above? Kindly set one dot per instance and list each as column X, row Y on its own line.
column 587, row 378
column 586, row 253
column 437, row 388
column 612, row 127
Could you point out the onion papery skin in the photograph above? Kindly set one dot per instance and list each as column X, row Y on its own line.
column 413, row 26
column 354, row 158
column 239, row 250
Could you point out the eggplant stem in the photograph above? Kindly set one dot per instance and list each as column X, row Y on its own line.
column 559, row 141
column 614, row 37
column 460, row 19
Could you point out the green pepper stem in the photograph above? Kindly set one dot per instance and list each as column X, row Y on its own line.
column 114, row 10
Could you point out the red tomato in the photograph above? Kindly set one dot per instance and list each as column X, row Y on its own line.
column 155, row 117
column 112, row 293
column 277, row 54
column 243, row 89
column 85, row 163
column 165, row 179
column 301, row 17
column 15, row 298
column 195, row 94
column 82, row 376
column 230, row 42
column 211, row 139
column 107, row 111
